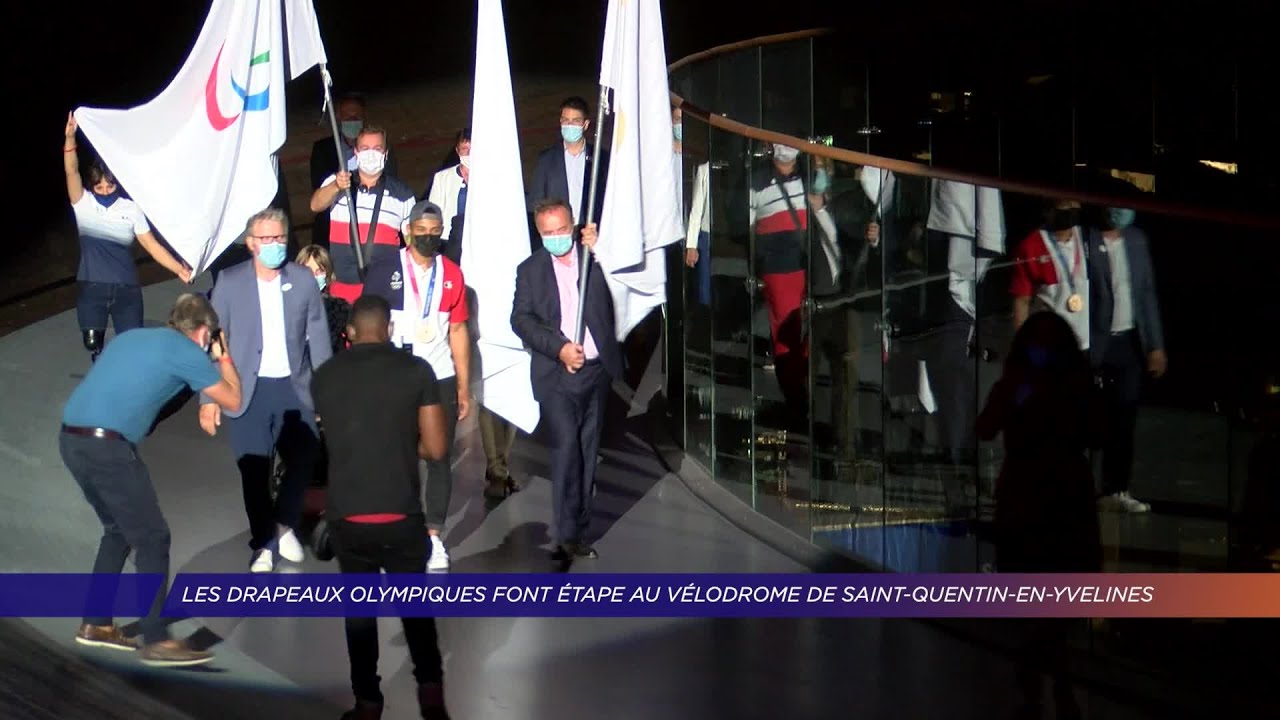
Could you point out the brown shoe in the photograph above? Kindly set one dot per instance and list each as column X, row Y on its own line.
column 431, row 701
column 105, row 636
column 173, row 653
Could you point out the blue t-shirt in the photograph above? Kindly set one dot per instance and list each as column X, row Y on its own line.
column 135, row 376
column 107, row 234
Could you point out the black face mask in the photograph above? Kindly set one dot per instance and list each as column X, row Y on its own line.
column 426, row 245
column 1064, row 219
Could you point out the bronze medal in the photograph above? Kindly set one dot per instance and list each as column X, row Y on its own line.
column 1075, row 303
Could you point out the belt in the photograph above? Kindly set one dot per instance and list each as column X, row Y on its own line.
column 101, row 433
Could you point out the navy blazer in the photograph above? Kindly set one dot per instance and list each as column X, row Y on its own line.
column 1142, row 285
column 551, row 180
column 535, row 318
column 235, row 299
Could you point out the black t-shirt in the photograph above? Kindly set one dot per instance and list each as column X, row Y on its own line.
column 368, row 397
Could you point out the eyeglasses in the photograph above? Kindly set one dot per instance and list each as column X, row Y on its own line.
column 269, row 238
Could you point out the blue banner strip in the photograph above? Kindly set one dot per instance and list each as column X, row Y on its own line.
column 564, row 595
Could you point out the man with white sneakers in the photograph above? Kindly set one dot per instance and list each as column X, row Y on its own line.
column 428, row 299
column 275, row 317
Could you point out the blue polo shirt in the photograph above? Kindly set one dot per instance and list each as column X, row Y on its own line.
column 135, row 376
column 107, row 234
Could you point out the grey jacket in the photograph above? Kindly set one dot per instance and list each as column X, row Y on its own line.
column 235, row 298
column 1142, row 284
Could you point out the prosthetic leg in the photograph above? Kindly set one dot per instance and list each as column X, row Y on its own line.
column 93, row 342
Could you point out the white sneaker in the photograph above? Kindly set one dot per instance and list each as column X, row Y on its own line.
column 263, row 562
column 289, row 547
column 439, row 558
column 1123, row 502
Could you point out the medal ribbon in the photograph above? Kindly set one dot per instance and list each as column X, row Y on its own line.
column 412, row 272
column 1072, row 271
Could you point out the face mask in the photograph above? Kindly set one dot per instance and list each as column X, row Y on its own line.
column 821, row 182
column 465, row 161
column 426, row 245
column 371, row 162
column 272, row 254
column 785, row 154
column 677, row 131
column 557, row 245
column 322, row 280
column 107, row 200
column 571, row 133
column 351, row 128
column 1064, row 219
column 1120, row 218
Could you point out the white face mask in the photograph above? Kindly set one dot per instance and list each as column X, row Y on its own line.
column 785, row 154
column 465, row 160
column 371, row 161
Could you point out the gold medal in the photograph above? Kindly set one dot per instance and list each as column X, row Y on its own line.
column 426, row 330
column 1075, row 303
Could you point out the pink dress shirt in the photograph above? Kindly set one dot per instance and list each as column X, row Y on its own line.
column 567, row 282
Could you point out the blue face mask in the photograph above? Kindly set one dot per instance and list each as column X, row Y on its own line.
column 571, row 133
column 107, row 200
column 1038, row 356
column 272, row 254
column 677, row 131
column 1121, row 218
column 351, row 128
column 821, row 181
column 557, row 245
column 322, row 280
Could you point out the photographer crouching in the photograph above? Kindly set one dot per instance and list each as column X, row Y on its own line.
column 105, row 418
column 381, row 411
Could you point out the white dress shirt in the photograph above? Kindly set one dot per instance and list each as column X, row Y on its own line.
column 1121, row 285
column 275, row 351
column 575, row 169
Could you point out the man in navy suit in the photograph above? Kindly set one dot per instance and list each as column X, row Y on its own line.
column 275, row 318
column 564, row 169
column 570, row 380
column 1126, row 338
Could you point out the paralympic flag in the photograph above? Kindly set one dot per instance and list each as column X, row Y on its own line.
column 495, row 238
column 641, row 215
column 199, row 158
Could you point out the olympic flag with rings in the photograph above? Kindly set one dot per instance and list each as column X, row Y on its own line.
column 199, row 158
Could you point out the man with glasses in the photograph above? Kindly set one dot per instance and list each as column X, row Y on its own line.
column 275, row 317
column 382, row 206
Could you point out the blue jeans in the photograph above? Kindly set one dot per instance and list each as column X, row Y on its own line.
column 99, row 301
column 118, row 487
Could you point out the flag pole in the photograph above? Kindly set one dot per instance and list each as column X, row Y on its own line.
column 602, row 108
column 354, row 224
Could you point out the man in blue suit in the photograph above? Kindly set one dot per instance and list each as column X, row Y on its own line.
column 564, row 169
column 570, row 380
column 274, row 316
column 1126, row 339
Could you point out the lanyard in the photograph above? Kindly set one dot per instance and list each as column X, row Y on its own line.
column 413, row 281
column 1072, row 271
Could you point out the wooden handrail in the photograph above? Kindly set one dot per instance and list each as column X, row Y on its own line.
column 902, row 167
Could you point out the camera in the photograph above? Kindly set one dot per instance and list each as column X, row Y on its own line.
column 215, row 338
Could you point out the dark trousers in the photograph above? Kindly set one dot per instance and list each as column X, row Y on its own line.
column 1121, row 373
column 439, row 473
column 575, row 416
column 99, row 302
column 118, row 487
column 274, row 421
column 396, row 548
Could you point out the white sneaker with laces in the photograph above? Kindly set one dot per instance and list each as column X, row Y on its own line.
column 439, row 559
column 263, row 562
column 289, row 547
column 1123, row 502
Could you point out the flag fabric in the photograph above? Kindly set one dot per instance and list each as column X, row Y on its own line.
column 641, row 215
column 495, row 238
column 199, row 158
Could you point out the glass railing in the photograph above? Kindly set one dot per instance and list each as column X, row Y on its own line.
column 836, row 351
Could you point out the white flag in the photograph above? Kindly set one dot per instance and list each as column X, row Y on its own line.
column 198, row 159
column 495, row 237
column 641, row 215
